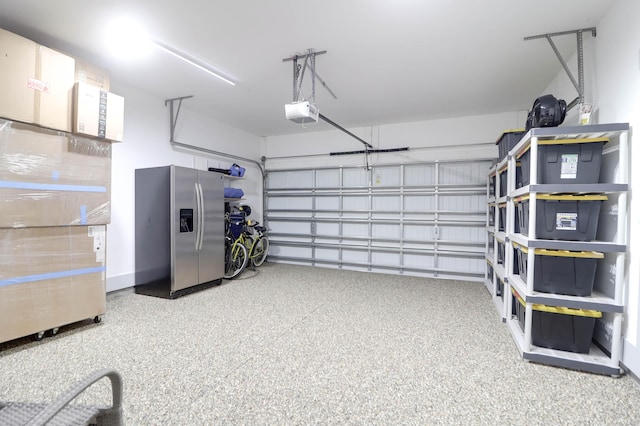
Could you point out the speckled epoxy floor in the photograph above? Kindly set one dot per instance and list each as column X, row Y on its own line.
column 299, row 345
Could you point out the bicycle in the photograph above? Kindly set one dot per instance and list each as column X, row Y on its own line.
column 259, row 247
column 236, row 254
column 252, row 235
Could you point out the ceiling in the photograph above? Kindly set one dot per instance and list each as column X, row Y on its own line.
column 387, row 61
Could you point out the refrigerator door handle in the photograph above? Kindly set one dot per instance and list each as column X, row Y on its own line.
column 201, row 212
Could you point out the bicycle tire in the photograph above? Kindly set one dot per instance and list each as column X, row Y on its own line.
column 259, row 251
column 237, row 261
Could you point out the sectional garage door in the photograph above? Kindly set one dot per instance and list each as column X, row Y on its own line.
column 424, row 219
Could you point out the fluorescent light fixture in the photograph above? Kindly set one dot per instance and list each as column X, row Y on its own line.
column 193, row 61
column 127, row 39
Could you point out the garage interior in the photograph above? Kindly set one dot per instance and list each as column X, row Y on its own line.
column 385, row 297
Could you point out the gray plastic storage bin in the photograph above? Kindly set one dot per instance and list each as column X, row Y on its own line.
column 557, row 327
column 565, row 272
column 502, row 216
column 503, row 182
column 489, row 271
column 507, row 140
column 562, row 217
column 492, row 184
column 565, row 161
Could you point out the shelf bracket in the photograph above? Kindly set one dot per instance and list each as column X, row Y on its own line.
column 173, row 120
column 174, row 117
column 579, row 84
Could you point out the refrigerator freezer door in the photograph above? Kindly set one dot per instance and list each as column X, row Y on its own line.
column 212, row 235
column 184, row 229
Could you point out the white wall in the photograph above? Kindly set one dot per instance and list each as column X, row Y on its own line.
column 446, row 139
column 612, row 83
column 617, row 68
column 146, row 144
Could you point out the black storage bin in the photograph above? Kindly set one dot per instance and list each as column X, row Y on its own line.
column 562, row 217
column 507, row 140
column 489, row 271
column 515, row 269
column 503, row 179
column 492, row 185
column 557, row 327
column 502, row 219
column 519, row 183
column 503, row 182
column 565, row 161
column 565, row 272
column 492, row 214
column 517, row 307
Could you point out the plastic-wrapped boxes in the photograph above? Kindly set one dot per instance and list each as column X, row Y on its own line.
column 565, row 161
column 557, row 327
column 565, row 272
column 507, row 140
column 562, row 217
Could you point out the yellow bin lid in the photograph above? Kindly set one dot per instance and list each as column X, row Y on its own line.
column 506, row 132
column 563, row 197
column 562, row 142
column 559, row 309
column 560, row 253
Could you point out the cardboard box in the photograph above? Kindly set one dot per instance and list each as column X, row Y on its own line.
column 98, row 113
column 36, row 83
column 54, row 104
column 52, row 179
column 91, row 74
column 50, row 277
column 17, row 66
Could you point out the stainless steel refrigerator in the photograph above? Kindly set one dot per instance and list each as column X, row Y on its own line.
column 179, row 221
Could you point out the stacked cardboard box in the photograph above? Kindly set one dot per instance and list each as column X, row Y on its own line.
column 37, row 86
column 55, row 195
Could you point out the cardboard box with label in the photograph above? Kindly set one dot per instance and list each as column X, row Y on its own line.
column 98, row 113
column 36, row 83
column 49, row 178
column 50, row 277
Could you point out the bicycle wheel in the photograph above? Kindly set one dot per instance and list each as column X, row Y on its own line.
column 237, row 261
column 259, row 251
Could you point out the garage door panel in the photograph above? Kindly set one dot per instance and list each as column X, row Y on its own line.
column 424, row 219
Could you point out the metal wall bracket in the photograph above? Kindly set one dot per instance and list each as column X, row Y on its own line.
column 579, row 85
column 173, row 120
column 174, row 116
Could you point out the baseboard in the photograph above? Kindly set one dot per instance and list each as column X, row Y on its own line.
column 120, row 282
